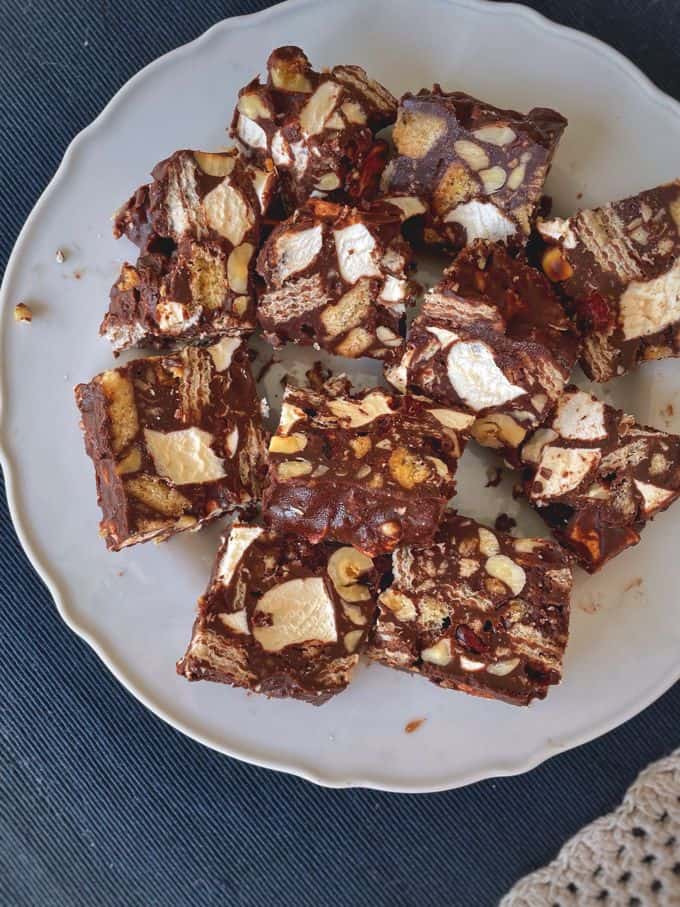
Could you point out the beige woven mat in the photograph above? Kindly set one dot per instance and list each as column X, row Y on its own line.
column 629, row 858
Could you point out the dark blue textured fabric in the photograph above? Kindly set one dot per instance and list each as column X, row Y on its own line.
column 100, row 802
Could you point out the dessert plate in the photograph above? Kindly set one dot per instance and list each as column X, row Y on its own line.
column 136, row 608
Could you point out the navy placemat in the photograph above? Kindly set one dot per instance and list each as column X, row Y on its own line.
column 103, row 804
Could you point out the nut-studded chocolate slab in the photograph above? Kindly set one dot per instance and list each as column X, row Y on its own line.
column 372, row 470
column 318, row 127
column 596, row 476
column 477, row 611
column 491, row 337
column 337, row 277
column 282, row 617
column 176, row 440
column 620, row 267
column 474, row 170
column 198, row 226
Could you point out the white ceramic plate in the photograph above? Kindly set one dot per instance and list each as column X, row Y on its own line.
column 136, row 608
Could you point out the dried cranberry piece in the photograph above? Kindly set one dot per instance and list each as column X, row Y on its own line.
column 366, row 183
column 467, row 637
column 594, row 312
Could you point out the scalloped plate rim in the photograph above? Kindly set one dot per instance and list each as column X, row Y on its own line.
column 545, row 751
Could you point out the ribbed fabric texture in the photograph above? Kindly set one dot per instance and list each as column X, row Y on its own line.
column 100, row 802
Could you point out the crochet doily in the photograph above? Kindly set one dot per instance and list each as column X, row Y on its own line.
column 629, row 858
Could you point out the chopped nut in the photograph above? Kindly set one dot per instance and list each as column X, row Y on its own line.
column 215, row 164
column 352, row 639
column 252, row 105
column 407, row 468
column 360, row 446
column 291, row 469
column 287, row 444
column 516, row 177
column 240, row 305
column 319, row 107
column 451, row 418
column 555, row 265
column 502, row 668
column 289, row 416
column 501, row 567
column 468, row 664
column 438, row 654
column 473, row 155
column 22, row 312
column 288, row 72
column 345, row 566
column 440, row 467
column 388, row 337
column 237, row 267
column 355, row 343
column 355, row 614
column 488, row 543
column 60, row 256
column 328, row 182
column 495, row 135
column 391, row 529
column 498, row 430
column 492, row 179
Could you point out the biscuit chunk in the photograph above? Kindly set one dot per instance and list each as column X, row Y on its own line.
column 620, row 267
column 596, row 477
column 175, row 440
column 337, row 277
column 282, row 617
column 472, row 170
column 477, row 611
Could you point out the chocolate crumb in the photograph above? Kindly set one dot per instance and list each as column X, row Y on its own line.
column 317, row 375
column 22, row 312
column 78, row 275
column 265, row 368
column 494, row 477
column 579, row 196
column 414, row 725
column 633, row 584
column 505, row 523
column 517, row 491
column 590, row 606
